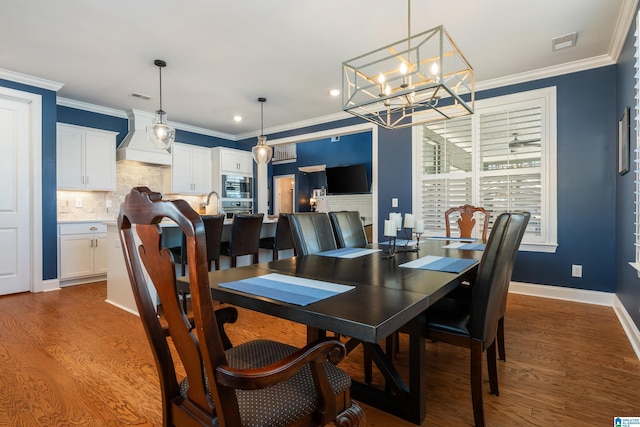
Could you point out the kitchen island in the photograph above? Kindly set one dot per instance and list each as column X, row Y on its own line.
column 119, row 291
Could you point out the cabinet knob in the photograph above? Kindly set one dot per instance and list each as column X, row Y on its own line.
column 93, row 228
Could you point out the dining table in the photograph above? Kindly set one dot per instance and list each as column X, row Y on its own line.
column 364, row 295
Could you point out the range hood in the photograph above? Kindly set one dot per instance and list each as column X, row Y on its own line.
column 135, row 146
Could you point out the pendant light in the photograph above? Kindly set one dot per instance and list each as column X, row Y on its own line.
column 262, row 152
column 159, row 132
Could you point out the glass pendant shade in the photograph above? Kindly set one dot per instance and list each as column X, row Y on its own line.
column 160, row 133
column 262, row 152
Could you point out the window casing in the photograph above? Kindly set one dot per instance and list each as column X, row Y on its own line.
column 502, row 158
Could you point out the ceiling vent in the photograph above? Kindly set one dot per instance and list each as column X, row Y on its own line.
column 563, row 42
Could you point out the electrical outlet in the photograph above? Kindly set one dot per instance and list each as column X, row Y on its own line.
column 394, row 202
column 576, row 270
column 78, row 203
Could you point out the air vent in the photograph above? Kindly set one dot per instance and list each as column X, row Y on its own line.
column 141, row 96
column 563, row 42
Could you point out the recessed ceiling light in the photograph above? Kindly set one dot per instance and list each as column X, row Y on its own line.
column 563, row 42
column 334, row 92
column 237, row 118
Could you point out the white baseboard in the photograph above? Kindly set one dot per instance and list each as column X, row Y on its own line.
column 585, row 296
column 122, row 307
column 48, row 285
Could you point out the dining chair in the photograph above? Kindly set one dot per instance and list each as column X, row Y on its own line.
column 213, row 225
column 348, row 229
column 463, row 294
column 474, row 326
column 245, row 237
column 466, row 221
column 256, row 383
column 282, row 238
column 312, row 232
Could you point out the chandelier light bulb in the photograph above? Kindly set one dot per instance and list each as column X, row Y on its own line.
column 435, row 69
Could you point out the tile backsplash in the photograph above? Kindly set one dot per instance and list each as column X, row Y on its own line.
column 92, row 205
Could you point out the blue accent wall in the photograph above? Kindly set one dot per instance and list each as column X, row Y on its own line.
column 49, row 222
column 626, row 278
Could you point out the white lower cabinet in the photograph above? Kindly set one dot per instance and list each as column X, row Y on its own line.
column 83, row 250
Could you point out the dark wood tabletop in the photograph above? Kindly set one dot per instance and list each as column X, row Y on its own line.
column 385, row 298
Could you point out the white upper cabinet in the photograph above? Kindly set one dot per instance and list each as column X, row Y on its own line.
column 86, row 158
column 233, row 162
column 190, row 171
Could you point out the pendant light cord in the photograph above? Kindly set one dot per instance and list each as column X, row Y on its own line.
column 160, row 70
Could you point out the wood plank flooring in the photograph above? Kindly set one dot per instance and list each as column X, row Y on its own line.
column 68, row 358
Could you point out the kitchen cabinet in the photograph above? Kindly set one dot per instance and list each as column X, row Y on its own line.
column 190, row 171
column 86, row 158
column 83, row 250
column 232, row 162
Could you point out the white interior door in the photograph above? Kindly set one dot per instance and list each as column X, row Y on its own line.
column 15, row 232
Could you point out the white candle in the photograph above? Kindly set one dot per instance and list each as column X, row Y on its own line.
column 390, row 228
column 398, row 218
column 409, row 221
column 419, row 227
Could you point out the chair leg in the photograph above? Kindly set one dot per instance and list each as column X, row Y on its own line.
column 476, row 382
column 233, row 261
column 492, row 368
column 275, row 254
column 217, row 261
column 500, row 339
column 256, row 258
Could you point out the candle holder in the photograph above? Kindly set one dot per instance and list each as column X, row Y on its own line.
column 391, row 252
column 406, row 247
column 418, row 234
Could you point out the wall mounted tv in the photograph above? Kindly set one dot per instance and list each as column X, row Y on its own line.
column 350, row 179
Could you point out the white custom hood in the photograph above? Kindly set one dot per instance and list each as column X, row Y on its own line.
column 135, row 146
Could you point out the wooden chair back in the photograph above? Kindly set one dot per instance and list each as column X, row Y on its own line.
column 466, row 221
column 140, row 233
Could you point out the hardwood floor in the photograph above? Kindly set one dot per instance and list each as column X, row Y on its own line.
column 67, row 358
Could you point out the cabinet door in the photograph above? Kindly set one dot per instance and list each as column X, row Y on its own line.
column 181, row 169
column 70, row 159
column 76, row 255
column 236, row 162
column 100, row 165
column 245, row 160
column 201, row 170
column 100, row 253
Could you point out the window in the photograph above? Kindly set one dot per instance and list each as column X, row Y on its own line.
column 636, row 167
column 502, row 158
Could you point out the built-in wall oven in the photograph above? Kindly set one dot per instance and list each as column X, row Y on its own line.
column 232, row 207
column 237, row 187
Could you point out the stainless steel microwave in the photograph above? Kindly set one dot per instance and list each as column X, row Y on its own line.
column 237, row 187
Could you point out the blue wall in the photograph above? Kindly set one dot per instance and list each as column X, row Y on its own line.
column 349, row 150
column 627, row 282
column 49, row 213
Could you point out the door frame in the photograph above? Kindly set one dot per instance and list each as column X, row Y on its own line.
column 276, row 205
column 35, row 176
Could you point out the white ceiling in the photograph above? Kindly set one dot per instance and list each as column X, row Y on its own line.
column 222, row 55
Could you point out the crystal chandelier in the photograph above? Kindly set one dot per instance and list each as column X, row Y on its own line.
column 262, row 152
column 159, row 132
column 420, row 79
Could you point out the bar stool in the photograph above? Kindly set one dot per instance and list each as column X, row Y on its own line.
column 282, row 239
column 245, row 237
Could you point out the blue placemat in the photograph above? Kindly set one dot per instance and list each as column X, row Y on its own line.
column 466, row 246
column 437, row 263
column 291, row 289
column 464, row 239
column 348, row 252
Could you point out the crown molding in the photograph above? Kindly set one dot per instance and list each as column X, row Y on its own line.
column 626, row 15
column 297, row 125
column 542, row 73
column 30, row 80
column 80, row 105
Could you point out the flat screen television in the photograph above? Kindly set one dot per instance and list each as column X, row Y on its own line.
column 350, row 179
